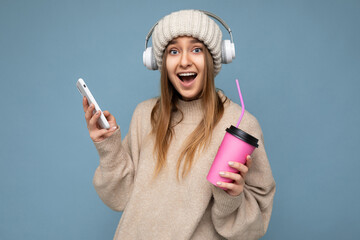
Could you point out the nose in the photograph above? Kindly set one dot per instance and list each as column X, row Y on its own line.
column 185, row 60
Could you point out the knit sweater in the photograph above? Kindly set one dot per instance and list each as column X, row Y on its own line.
column 192, row 208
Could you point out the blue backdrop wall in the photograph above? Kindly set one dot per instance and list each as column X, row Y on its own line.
column 298, row 63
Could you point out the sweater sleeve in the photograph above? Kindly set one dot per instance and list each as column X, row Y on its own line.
column 114, row 177
column 247, row 216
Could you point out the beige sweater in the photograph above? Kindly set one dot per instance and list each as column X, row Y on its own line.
column 192, row 208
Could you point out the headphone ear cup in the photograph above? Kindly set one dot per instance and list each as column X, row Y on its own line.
column 149, row 59
column 227, row 51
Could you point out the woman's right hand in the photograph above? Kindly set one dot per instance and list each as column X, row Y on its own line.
column 97, row 133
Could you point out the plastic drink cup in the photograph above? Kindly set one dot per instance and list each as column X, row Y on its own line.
column 236, row 145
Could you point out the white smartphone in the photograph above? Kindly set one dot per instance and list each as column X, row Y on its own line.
column 85, row 91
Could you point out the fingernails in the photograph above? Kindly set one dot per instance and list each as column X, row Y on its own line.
column 114, row 128
column 218, row 183
column 222, row 173
column 231, row 163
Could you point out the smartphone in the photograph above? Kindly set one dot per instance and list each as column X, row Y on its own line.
column 85, row 91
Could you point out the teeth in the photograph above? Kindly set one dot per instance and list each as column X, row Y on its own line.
column 186, row 74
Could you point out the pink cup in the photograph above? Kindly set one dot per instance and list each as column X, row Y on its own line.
column 235, row 146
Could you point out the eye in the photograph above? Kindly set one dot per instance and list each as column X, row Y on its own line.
column 173, row 52
column 197, row 50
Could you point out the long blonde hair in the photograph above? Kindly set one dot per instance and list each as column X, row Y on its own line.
column 161, row 117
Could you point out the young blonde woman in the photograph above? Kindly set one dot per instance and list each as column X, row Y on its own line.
column 157, row 174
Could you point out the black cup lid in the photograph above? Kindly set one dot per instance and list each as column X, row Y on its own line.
column 244, row 136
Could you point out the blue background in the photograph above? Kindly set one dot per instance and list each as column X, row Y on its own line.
column 298, row 63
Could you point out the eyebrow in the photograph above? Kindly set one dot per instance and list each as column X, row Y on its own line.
column 195, row 41
column 172, row 42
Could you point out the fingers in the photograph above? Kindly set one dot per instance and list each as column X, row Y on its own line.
column 106, row 113
column 233, row 176
column 243, row 169
column 93, row 120
column 231, row 188
column 236, row 186
column 85, row 104
column 96, row 133
column 248, row 161
column 108, row 116
column 89, row 113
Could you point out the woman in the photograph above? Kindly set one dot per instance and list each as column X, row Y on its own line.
column 157, row 174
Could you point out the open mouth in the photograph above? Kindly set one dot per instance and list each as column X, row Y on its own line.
column 187, row 77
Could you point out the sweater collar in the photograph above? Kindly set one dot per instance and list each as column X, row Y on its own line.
column 192, row 111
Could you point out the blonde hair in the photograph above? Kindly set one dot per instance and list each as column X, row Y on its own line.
column 161, row 117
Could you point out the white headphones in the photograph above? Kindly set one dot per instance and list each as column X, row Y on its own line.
column 227, row 46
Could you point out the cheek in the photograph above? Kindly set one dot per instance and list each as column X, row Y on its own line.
column 172, row 81
column 170, row 63
column 200, row 63
column 202, row 83
column 167, row 66
column 201, row 67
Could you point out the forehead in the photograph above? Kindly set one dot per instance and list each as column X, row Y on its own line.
column 184, row 39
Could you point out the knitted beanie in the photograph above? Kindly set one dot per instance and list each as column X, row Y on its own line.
column 192, row 23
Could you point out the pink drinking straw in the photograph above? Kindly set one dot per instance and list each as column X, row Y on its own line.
column 242, row 103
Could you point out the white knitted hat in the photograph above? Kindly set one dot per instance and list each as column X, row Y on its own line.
column 192, row 23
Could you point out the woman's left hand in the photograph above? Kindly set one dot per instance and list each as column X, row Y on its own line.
column 237, row 187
